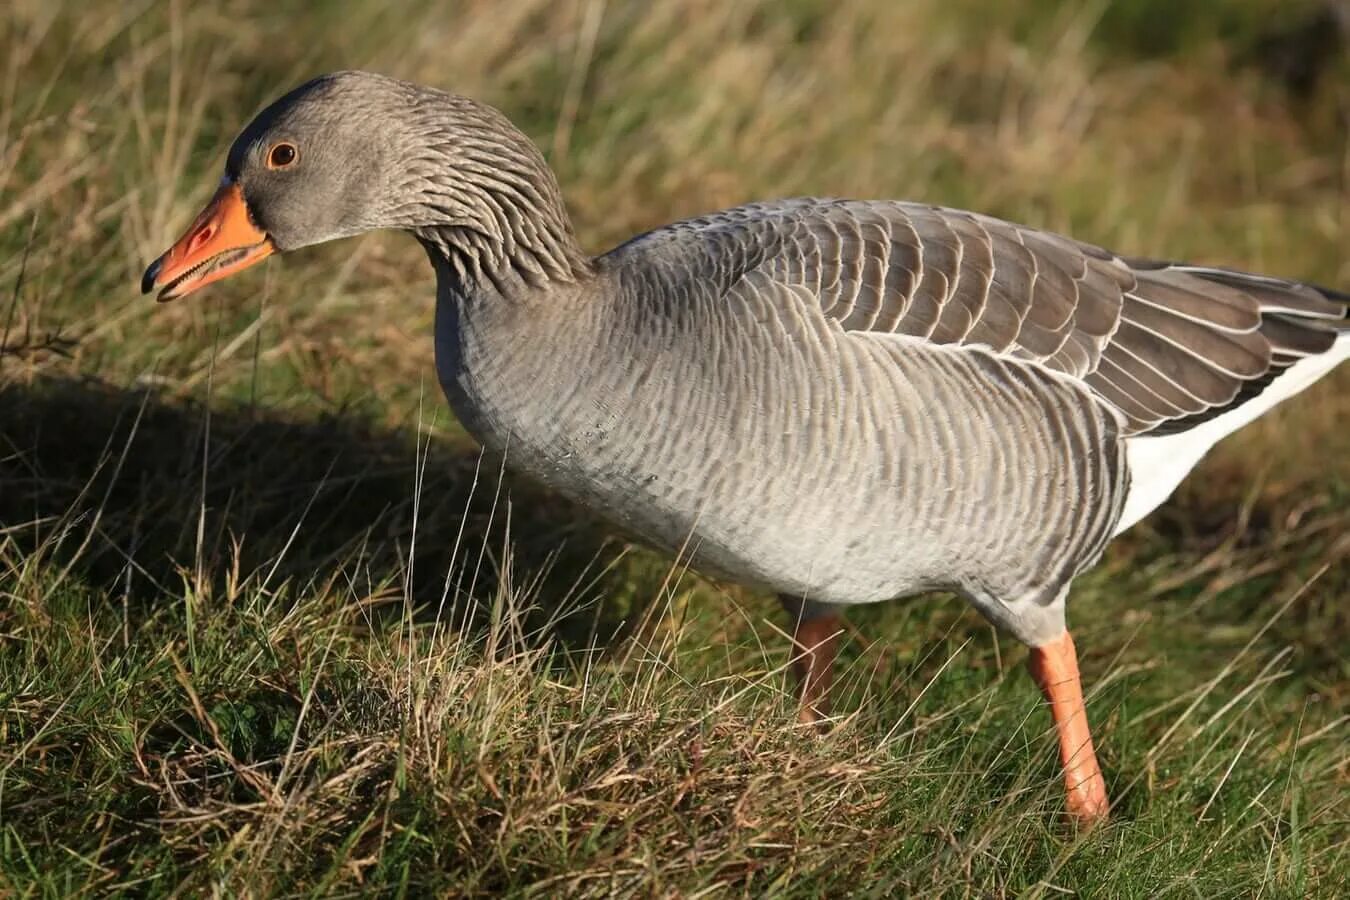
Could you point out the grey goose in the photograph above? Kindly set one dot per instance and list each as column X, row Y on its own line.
column 839, row 401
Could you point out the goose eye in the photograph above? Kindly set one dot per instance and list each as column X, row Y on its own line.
column 282, row 155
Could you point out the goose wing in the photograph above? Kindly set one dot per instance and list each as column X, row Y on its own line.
column 1167, row 345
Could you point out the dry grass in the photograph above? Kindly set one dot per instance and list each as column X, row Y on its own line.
column 267, row 628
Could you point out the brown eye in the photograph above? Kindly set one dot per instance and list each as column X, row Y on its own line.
column 282, row 155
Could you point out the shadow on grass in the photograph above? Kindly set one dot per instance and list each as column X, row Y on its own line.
column 144, row 497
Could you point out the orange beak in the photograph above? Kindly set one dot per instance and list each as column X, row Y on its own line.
column 223, row 240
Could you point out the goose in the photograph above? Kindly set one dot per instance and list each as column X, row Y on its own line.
column 838, row 401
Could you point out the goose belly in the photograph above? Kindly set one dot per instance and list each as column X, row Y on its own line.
column 850, row 472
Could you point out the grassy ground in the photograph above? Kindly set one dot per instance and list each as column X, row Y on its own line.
column 267, row 627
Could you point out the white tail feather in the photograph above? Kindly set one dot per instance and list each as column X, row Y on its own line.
column 1158, row 463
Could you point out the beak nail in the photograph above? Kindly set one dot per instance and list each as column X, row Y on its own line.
column 151, row 273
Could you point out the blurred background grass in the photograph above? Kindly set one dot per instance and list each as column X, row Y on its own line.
column 223, row 521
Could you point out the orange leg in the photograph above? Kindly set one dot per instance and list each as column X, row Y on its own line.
column 815, row 645
column 1055, row 668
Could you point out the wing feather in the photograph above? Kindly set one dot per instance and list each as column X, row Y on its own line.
column 1167, row 345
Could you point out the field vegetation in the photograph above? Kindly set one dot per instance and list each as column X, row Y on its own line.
column 270, row 627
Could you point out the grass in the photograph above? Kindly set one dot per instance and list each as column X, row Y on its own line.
column 269, row 628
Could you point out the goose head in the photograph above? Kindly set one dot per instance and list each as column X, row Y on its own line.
column 352, row 152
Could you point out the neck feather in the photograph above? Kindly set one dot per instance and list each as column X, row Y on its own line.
column 484, row 199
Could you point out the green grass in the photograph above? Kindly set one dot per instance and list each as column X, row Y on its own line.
column 267, row 628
